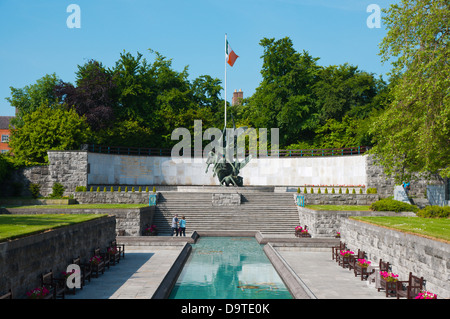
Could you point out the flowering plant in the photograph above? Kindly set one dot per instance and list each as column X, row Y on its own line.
column 346, row 253
column 38, row 293
column 298, row 228
column 338, row 234
column 363, row 263
column 426, row 295
column 112, row 250
column 95, row 260
column 388, row 276
column 67, row 274
column 151, row 230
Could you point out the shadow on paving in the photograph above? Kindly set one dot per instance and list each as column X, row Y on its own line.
column 115, row 277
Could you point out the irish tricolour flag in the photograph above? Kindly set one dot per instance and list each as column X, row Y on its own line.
column 230, row 55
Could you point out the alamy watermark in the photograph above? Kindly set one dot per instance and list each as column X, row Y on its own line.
column 374, row 20
column 229, row 143
column 73, row 279
column 74, row 19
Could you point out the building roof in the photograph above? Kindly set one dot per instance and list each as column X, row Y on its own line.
column 4, row 122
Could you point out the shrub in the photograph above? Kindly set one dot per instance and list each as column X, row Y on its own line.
column 104, row 189
column 146, row 189
column 34, row 190
column 360, row 191
column 312, row 190
column 371, row 191
column 392, row 205
column 305, row 191
column 332, row 191
column 140, row 189
column 132, row 189
column 340, row 190
column 319, row 192
column 81, row 189
column 126, row 189
column 57, row 190
column 326, row 190
column 91, row 189
column 98, row 189
column 353, row 191
column 119, row 189
column 154, row 189
column 347, row 191
column 434, row 212
column 112, row 189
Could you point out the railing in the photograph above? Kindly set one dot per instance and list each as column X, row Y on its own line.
column 123, row 150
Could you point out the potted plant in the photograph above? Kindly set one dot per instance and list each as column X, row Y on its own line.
column 344, row 257
column 298, row 231
column 388, row 281
column 338, row 235
column 426, row 295
column 38, row 293
column 95, row 260
column 150, row 230
column 361, row 268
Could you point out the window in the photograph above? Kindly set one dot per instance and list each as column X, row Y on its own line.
column 5, row 138
column 4, row 151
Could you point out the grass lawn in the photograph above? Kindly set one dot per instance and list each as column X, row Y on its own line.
column 434, row 228
column 14, row 226
column 82, row 206
column 339, row 207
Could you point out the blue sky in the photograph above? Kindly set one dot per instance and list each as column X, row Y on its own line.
column 35, row 39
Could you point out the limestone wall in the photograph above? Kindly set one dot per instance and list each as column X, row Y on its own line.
column 405, row 252
column 23, row 260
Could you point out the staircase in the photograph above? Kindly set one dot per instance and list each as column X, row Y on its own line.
column 264, row 211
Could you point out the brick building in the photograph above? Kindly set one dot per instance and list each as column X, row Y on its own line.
column 238, row 96
column 4, row 133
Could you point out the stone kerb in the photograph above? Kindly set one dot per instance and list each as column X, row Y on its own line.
column 406, row 253
column 23, row 260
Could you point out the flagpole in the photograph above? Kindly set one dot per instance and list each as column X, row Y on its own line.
column 225, row 82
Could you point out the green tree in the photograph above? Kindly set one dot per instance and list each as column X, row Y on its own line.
column 47, row 129
column 413, row 135
column 28, row 99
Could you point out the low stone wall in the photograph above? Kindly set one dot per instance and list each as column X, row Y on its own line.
column 325, row 223
column 405, row 253
column 23, row 260
column 339, row 199
column 112, row 197
column 129, row 221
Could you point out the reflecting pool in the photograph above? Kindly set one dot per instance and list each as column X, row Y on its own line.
column 228, row 268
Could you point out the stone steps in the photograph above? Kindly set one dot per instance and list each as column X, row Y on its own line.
column 268, row 212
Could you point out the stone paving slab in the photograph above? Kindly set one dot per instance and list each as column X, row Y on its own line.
column 135, row 277
column 324, row 277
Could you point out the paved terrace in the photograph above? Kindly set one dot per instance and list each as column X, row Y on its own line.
column 152, row 264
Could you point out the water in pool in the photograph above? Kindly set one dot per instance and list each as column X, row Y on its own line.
column 228, row 268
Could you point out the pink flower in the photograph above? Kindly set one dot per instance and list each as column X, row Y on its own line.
column 426, row 295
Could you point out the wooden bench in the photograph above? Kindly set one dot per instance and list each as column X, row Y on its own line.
column 121, row 248
column 353, row 260
column 389, row 287
column 411, row 288
column 86, row 270
column 56, row 286
column 8, row 295
column 99, row 266
column 336, row 249
column 114, row 252
column 105, row 257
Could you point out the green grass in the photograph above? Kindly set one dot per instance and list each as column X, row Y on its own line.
column 339, row 207
column 435, row 228
column 82, row 206
column 15, row 226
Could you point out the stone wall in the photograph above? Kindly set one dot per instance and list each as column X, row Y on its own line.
column 115, row 197
column 68, row 168
column 23, row 260
column 129, row 221
column 405, row 253
column 325, row 223
column 376, row 178
column 339, row 199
